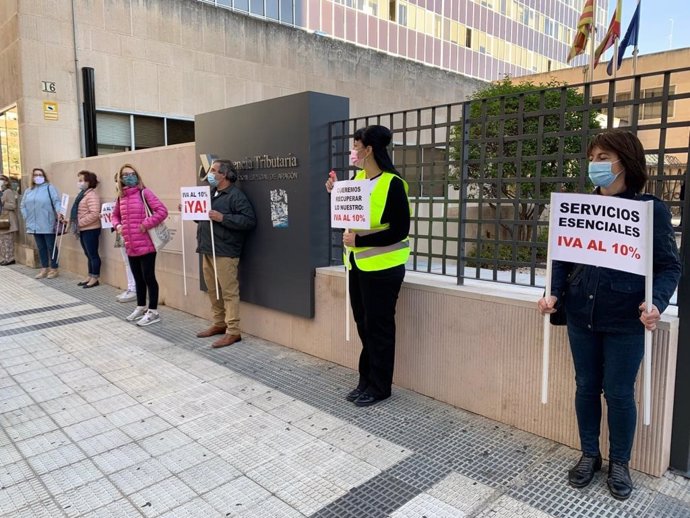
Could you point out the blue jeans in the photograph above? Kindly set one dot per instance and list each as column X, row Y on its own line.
column 89, row 243
column 608, row 362
column 45, row 244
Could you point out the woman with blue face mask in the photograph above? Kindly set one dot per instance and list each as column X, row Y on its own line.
column 607, row 316
column 131, row 221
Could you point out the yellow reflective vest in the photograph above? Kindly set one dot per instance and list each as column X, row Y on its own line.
column 374, row 258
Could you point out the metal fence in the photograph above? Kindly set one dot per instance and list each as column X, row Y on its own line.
column 481, row 171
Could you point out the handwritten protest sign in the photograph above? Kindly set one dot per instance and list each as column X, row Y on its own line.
column 600, row 230
column 196, row 203
column 107, row 215
column 64, row 203
column 351, row 205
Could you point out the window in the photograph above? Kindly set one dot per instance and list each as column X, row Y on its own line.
column 114, row 132
column 391, row 11
column 653, row 110
column 9, row 147
column 402, row 14
column 272, row 9
column 118, row 132
column 148, row 132
column 622, row 112
column 468, row 38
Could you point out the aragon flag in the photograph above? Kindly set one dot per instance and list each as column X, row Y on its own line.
column 630, row 38
column 584, row 27
column 611, row 35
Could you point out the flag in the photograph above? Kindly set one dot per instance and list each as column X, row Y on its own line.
column 584, row 26
column 630, row 38
column 612, row 34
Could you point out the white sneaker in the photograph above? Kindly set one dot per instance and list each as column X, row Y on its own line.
column 126, row 296
column 151, row 317
column 137, row 313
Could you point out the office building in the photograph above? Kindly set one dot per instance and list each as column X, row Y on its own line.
column 485, row 39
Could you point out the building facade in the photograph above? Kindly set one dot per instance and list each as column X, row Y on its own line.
column 158, row 63
column 486, row 39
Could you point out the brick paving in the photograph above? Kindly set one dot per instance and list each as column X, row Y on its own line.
column 101, row 418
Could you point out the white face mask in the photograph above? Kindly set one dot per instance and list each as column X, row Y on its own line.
column 38, row 180
column 82, row 186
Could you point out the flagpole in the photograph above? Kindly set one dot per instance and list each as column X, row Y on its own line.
column 634, row 64
column 591, row 41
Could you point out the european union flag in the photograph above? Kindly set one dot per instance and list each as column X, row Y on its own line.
column 630, row 38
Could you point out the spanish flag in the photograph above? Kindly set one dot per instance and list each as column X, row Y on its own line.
column 584, row 26
column 612, row 35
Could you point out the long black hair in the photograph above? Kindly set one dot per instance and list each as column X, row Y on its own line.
column 379, row 138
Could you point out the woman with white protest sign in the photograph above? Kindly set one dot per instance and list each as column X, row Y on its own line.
column 607, row 316
column 376, row 261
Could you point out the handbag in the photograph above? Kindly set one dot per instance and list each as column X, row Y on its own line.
column 5, row 221
column 559, row 318
column 160, row 234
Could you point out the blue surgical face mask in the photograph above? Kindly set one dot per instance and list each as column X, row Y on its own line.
column 130, row 181
column 212, row 180
column 601, row 173
column 38, row 180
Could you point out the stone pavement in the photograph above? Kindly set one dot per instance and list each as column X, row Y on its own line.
column 101, row 418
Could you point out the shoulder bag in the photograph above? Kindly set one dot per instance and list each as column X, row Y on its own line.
column 160, row 234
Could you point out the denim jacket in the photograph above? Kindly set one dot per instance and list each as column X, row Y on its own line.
column 606, row 300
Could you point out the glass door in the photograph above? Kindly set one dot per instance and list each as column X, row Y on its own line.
column 10, row 157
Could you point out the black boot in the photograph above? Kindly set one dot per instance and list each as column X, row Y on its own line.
column 583, row 472
column 619, row 481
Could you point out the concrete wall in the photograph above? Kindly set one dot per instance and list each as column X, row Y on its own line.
column 478, row 348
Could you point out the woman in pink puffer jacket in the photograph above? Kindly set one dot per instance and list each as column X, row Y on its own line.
column 130, row 220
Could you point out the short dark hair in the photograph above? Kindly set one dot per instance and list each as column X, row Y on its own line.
column 226, row 168
column 379, row 138
column 630, row 152
column 89, row 177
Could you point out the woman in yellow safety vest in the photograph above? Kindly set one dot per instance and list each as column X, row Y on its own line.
column 376, row 259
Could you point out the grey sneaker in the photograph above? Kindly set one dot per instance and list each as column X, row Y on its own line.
column 126, row 296
column 137, row 313
column 150, row 317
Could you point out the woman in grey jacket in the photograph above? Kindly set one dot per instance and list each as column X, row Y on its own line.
column 39, row 207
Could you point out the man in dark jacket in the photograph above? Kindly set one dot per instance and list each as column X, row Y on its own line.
column 233, row 216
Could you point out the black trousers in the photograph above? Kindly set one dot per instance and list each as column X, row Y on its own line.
column 373, row 296
column 144, row 272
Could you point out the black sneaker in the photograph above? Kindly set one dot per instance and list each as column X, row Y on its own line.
column 583, row 472
column 619, row 481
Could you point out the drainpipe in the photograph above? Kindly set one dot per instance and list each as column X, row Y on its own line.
column 76, row 80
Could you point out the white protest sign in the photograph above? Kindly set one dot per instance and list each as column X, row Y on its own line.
column 601, row 231
column 64, row 203
column 196, row 203
column 351, row 205
column 107, row 215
